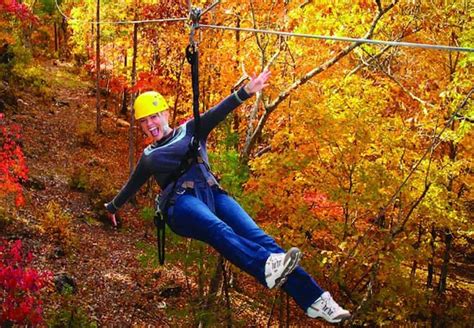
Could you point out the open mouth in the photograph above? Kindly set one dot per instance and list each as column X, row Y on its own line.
column 154, row 131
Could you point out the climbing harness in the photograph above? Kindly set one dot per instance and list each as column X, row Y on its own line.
column 192, row 156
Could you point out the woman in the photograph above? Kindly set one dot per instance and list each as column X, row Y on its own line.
column 196, row 206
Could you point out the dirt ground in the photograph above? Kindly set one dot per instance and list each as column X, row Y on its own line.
column 112, row 286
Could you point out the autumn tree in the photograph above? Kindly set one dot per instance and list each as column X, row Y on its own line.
column 359, row 154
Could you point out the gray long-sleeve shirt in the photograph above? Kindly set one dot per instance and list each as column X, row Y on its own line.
column 163, row 159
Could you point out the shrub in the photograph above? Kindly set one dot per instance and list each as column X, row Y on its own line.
column 57, row 223
column 86, row 134
column 20, row 286
column 147, row 214
column 95, row 182
column 71, row 316
column 33, row 78
column 13, row 169
column 78, row 180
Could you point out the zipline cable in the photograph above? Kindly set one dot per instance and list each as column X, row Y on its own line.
column 342, row 38
column 300, row 35
column 281, row 33
column 145, row 21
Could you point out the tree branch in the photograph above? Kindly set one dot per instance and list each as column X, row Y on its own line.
column 270, row 107
column 465, row 118
column 431, row 147
column 250, row 138
column 391, row 77
column 384, row 50
column 400, row 228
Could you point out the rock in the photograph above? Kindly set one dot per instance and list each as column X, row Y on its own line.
column 6, row 54
column 65, row 284
column 60, row 102
column 34, row 183
column 21, row 101
column 59, row 252
column 122, row 123
column 171, row 291
column 8, row 100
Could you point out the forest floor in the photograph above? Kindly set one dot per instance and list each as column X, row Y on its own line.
column 62, row 228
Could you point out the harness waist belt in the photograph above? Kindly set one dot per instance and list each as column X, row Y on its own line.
column 189, row 184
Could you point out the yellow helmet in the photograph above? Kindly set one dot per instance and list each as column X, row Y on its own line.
column 149, row 103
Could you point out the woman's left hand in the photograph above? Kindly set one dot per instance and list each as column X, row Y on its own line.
column 257, row 83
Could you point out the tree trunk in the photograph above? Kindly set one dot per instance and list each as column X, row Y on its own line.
column 281, row 320
column 92, row 37
column 416, row 246
column 178, row 87
column 131, row 139
column 123, row 110
column 429, row 279
column 65, row 52
column 123, row 106
column 56, row 41
column 97, row 68
column 235, row 113
column 448, row 238
column 202, row 313
column 225, row 279
column 215, row 283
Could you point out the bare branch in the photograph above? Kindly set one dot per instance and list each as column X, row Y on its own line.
column 432, row 146
column 307, row 2
column 384, row 50
column 404, row 89
column 379, row 5
column 270, row 107
column 263, row 150
column 250, row 139
column 254, row 22
column 281, row 46
column 400, row 228
column 465, row 118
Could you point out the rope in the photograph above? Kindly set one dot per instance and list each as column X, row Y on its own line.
column 342, row 38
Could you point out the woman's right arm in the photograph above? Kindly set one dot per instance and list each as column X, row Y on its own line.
column 139, row 176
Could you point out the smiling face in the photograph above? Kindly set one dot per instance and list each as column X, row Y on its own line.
column 156, row 125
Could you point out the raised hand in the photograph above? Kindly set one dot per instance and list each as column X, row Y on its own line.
column 257, row 83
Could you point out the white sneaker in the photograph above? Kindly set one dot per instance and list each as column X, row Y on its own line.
column 325, row 307
column 280, row 265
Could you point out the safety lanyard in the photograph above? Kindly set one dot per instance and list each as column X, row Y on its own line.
column 192, row 55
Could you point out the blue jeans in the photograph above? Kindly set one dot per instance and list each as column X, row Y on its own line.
column 233, row 233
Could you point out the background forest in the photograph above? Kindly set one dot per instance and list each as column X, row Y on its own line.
column 360, row 155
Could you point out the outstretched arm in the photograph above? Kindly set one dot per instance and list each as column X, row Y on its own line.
column 218, row 113
column 139, row 176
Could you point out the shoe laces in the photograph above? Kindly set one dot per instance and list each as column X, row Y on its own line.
column 329, row 305
column 276, row 261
